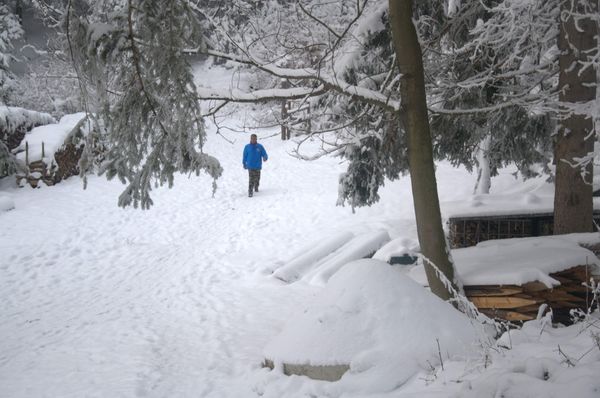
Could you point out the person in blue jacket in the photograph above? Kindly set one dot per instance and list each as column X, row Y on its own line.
column 254, row 154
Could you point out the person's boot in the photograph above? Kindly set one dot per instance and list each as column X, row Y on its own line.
column 249, row 194
column 256, row 188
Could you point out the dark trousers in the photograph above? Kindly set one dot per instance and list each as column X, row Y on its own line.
column 254, row 180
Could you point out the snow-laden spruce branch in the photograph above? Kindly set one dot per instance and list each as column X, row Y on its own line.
column 327, row 82
column 237, row 95
column 154, row 128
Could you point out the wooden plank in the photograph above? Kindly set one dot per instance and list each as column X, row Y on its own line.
column 573, row 288
column 505, row 302
column 557, row 295
column 471, row 291
column 512, row 316
column 534, row 287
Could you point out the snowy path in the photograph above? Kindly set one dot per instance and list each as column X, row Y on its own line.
column 100, row 301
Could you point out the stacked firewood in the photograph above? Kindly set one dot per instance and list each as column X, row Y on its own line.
column 67, row 160
column 64, row 165
column 522, row 303
column 37, row 171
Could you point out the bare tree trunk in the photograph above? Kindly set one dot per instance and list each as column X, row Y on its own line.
column 420, row 153
column 484, row 176
column 285, row 129
column 573, row 205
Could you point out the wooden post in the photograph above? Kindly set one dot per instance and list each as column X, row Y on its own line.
column 27, row 153
column 43, row 151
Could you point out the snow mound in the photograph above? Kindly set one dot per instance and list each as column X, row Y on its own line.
column 52, row 136
column 377, row 320
column 6, row 203
column 538, row 364
column 396, row 248
column 519, row 261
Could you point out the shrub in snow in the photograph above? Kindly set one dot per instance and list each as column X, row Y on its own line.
column 381, row 323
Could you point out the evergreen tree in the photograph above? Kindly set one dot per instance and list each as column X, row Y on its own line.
column 10, row 30
column 131, row 53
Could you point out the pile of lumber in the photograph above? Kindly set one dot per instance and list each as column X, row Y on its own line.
column 521, row 303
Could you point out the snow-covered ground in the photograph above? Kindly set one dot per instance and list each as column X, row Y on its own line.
column 177, row 301
column 180, row 300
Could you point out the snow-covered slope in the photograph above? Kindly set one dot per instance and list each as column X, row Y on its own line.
column 176, row 301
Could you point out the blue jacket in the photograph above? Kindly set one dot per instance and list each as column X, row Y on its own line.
column 254, row 154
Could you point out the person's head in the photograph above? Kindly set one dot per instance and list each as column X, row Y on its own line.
column 253, row 139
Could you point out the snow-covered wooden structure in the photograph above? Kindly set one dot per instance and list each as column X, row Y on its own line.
column 51, row 152
column 468, row 231
column 506, row 216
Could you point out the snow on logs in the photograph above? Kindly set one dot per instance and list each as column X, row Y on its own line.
column 320, row 261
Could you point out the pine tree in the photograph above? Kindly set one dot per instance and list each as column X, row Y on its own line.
column 144, row 91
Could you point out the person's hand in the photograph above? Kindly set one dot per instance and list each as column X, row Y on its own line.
column 265, row 160
column 245, row 167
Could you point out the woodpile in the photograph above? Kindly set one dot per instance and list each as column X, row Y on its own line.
column 521, row 303
column 38, row 171
column 65, row 165
column 67, row 161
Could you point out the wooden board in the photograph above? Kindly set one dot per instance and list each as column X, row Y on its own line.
column 476, row 291
column 534, row 287
column 512, row 316
column 503, row 302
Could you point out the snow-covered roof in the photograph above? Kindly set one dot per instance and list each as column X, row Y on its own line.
column 537, row 201
column 519, row 261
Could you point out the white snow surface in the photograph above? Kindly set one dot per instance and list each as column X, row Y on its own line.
column 51, row 135
column 397, row 247
column 362, row 309
column 179, row 301
column 530, row 197
column 6, row 203
column 518, row 261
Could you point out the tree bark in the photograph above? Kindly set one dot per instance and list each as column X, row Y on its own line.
column 573, row 205
column 484, row 175
column 420, row 153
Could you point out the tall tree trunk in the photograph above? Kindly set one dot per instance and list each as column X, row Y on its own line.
column 420, row 153
column 573, row 204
